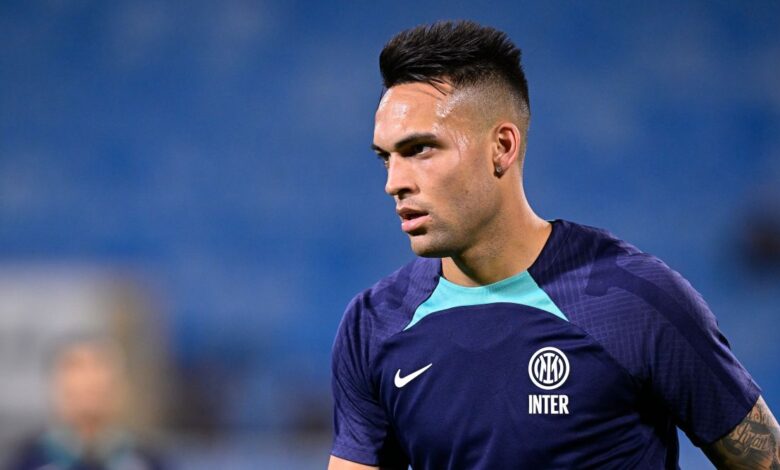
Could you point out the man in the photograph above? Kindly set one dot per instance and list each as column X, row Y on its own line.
column 511, row 341
column 88, row 384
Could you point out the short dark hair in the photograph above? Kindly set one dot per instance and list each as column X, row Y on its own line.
column 462, row 53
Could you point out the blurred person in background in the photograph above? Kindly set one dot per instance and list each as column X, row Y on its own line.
column 86, row 432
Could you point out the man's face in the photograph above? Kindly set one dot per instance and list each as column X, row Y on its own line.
column 86, row 387
column 439, row 167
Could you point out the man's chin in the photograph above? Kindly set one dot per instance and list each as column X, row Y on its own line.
column 424, row 247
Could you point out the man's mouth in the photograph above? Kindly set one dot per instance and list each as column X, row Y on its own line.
column 411, row 219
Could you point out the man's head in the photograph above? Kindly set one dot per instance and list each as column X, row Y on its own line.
column 88, row 384
column 451, row 129
column 466, row 56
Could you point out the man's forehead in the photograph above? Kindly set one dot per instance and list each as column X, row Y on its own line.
column 400, row 100
column 412, row 108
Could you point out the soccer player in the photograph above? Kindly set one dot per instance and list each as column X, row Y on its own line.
column 512, row 341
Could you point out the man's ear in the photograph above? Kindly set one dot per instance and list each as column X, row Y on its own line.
column 507, row 141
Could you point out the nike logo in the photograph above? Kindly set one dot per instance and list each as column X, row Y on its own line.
column 402, row 381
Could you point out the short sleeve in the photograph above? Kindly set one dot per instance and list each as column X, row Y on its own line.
column 362, row 432
column 692, row 368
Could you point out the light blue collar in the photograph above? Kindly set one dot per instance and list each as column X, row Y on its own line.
column 519, row 289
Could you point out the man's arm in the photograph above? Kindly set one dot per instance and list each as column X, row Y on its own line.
column 754, row 444
column 341, row 464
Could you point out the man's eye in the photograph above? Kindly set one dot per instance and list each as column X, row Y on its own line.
column 418, row 149
column 385, row 159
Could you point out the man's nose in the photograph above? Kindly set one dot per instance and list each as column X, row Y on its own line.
column 400, row 179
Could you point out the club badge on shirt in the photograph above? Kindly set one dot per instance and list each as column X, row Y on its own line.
column 548, row 369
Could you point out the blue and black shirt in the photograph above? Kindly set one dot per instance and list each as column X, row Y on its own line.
column 589, row 359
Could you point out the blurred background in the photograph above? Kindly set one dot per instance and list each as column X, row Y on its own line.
column 193, row 181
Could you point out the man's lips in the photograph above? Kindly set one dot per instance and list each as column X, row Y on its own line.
column 411, row 219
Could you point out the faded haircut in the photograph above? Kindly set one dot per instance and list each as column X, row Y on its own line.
column 460, row 53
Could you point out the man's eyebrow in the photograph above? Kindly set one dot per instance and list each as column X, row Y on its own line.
column 416, row 137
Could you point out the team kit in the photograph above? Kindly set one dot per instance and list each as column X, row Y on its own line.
column 549, row 367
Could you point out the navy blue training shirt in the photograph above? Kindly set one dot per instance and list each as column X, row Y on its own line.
column 589, row 359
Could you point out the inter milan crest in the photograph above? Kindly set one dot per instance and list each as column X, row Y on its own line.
column 548, row 368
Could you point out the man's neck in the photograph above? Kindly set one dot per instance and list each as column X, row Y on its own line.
column 514, row 251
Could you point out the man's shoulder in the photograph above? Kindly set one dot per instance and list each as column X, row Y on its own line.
column 612, row 268
column 397, row 288
column 387, row 306
column 629, row 301
column 594, row 242
column 642, row 273
column 29, row 453
column 610, row 261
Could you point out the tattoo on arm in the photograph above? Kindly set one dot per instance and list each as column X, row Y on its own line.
column 753, row 444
